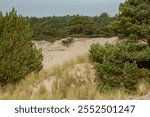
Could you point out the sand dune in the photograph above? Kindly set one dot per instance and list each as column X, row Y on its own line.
column 57, row 53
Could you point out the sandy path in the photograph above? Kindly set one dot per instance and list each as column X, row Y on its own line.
column 56, row 53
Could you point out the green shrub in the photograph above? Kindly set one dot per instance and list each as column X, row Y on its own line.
column 67, row 41
column 18, row 55
column 121, row 65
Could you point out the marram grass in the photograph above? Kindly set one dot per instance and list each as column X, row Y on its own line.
column 73, row 80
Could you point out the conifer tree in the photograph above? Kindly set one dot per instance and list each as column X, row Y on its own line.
column 133, row 20
column 18, row 55
column 81, row 25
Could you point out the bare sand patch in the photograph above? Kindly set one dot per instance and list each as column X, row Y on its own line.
column 57, row 53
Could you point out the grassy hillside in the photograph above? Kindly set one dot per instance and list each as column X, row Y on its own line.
column 74, row 79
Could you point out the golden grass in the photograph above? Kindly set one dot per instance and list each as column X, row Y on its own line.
column 75, row 79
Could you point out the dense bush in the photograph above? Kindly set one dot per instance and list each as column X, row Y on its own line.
column 57, row 27
column 127, row 63
column 18, row 55
column 81, row 25
column 121, row 65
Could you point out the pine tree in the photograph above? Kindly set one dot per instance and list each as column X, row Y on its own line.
column 81, row 25
column 133, row 20
column 18, row 55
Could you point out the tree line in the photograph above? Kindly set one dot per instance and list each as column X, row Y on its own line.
column 55, row 27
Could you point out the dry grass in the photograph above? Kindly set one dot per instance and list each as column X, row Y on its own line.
column 75, row 79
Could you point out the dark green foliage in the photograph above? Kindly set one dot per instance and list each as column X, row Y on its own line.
column 133, row 21
column 18, row 55
column 125, row 64
column 48, row 28
column 121, row 65
column 102, row 23
column 67, row 41
column 81, row 25
column 53, row 28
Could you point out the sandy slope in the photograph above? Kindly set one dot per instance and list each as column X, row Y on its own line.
column 56, row 53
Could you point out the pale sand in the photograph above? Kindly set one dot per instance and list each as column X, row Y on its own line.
column 56, row 53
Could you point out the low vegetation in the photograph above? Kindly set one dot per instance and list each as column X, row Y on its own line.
column 67, row 41
column 75, row 79
column 122, row 65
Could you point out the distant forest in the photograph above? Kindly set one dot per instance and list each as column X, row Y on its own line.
column 55, row 27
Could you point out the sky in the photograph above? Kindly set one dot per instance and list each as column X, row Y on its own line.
column 40, row 8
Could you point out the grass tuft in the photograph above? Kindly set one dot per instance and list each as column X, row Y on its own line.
column 73, row 80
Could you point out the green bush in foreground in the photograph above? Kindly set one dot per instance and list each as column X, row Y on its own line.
column 121, row 65
column 18, row 55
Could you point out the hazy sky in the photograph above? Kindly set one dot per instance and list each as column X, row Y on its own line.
column 61, row 7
